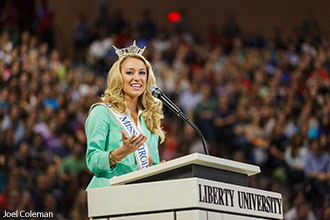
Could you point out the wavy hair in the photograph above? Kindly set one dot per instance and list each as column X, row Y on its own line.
column 151, row 108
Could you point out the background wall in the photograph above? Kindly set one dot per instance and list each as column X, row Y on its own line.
column 66, row 13
column 253, row 16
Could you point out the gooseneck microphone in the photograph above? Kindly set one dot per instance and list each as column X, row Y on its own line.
column 157, row 93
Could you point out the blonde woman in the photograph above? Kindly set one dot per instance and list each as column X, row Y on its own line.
column 123, row 131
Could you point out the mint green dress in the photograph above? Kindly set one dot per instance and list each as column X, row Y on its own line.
column 103, row 135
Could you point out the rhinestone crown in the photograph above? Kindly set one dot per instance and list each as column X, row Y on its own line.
column 133, row 49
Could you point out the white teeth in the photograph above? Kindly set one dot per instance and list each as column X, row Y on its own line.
column 136, row 85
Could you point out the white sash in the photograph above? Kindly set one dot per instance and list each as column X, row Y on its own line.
column 127, row 123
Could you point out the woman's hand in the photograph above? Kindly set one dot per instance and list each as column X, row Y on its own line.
column 150, row 161
column 129, row 146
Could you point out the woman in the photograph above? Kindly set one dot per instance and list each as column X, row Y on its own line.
column 123, row 131
column 295, row 156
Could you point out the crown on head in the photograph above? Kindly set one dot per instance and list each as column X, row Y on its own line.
column 133, row 49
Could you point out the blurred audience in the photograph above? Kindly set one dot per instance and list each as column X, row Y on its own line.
column 264, row 101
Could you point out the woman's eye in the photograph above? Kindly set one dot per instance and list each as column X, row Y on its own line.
column 142, row 72
column 129, row 72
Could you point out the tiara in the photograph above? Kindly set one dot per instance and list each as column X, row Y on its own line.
column 133, row 49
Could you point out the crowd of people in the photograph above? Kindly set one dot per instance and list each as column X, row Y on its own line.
column 257, row 99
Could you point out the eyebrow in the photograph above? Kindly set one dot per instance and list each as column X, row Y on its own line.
column 130, row 68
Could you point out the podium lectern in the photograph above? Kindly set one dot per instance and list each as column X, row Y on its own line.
column 193, row 187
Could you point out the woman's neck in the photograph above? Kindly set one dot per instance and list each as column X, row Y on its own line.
column 132, row 104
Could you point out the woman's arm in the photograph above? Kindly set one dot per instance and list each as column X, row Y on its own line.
column 97, row 130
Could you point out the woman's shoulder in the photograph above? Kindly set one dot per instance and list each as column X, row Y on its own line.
column 98, row 107
column 98, row 110
column 98, row 115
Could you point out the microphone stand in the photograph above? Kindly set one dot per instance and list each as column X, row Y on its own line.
column 179, row 113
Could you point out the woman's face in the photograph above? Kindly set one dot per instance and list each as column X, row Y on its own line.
column 134, row 73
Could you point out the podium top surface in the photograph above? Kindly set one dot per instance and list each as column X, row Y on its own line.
column 196, row 158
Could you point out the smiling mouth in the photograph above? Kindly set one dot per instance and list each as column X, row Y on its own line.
column 136, row 86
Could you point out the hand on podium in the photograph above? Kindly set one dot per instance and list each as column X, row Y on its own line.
column 150, row 161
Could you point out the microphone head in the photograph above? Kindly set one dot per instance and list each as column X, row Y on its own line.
column 155, row 91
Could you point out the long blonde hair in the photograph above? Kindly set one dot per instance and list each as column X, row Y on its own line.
column 151, row 108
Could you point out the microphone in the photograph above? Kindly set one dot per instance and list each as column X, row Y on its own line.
column 157, row 93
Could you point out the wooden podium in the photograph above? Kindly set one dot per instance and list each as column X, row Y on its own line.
column 193, row 187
